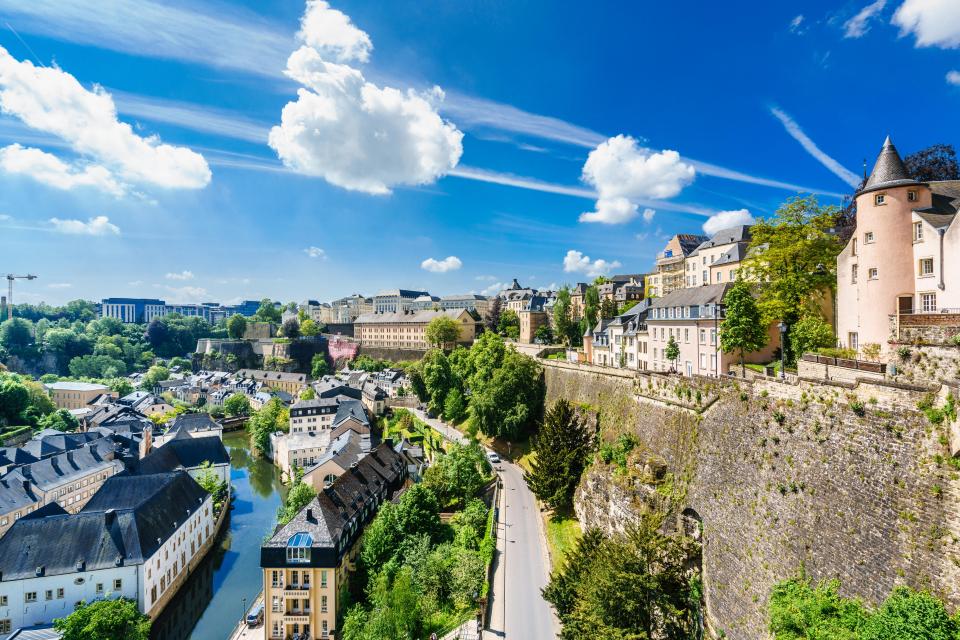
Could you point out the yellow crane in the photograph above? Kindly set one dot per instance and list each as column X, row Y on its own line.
column 10, row 278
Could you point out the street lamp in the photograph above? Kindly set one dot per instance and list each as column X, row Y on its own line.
column 783, row 350
column 243, row 610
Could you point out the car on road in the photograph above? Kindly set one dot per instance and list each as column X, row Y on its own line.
column 493, row 457
column 255, row 617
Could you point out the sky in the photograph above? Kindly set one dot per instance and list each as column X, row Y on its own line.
column 218, row 151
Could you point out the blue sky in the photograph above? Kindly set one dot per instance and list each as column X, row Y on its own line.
column 374, row 179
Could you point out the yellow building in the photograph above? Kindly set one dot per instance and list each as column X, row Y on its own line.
column 407, row 330
column 307, row 563
column 292, row 383
column 75, row 395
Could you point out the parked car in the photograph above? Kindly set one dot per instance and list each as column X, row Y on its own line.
column 255, row 616
column 493, row 457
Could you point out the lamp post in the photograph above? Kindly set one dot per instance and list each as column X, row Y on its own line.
column 243, row 610
column 783, row 350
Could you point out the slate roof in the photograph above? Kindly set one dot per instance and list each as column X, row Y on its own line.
column 15, row 494
column 403, row 293
column 889, row 170
column 76, row 386
column 708, row 294
column 15, row 455
column 51, row 442
column 350, row 408
column 271, row 376
column 184, row 451
column 417, row 317
column 51, row 472
column 736, row 253
column 124, row 523
column 945, row 203
column 193, row 422
column 344, row 450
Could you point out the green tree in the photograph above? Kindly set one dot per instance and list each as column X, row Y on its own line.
column 591, row 306
column 799, row 610
column 270, row 418
column 672, row 352
column 16, row 335
column 212, row 483
column 810, row 334
column 492, row 321
column 298, row 497
column 61, row 420
column 307, row 394
column 153, row 376
column 105, row 620
column 509, row 324
column 563, row 589
column 455, row 406
column 237, row 405
column 267, row 312
column 742, row 329
column 236, row 326
column 911, row 615
column 793, row 258
column 437, row 378
column 319, row 366
column 608, row 308
column 310, row 328
column 562, row 320
column 562, row 447
column 510, row 402
column 97, row 367
column 14, row 398
column 442, row 332
column 291, row 329
column 121, row 386
column 543, row 334
column 458, row 475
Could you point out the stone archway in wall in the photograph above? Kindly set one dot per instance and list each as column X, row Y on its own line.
column 691, row 524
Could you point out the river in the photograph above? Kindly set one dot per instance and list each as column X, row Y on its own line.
column 212, row 601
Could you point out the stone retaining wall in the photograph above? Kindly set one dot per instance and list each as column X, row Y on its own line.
column 848, row 483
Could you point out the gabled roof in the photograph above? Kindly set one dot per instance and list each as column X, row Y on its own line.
column 63, row 467
column 193, row 422
column 889, row 170
column 185, row 452
column 15, row 455
column 124, row 523
column 709, row 294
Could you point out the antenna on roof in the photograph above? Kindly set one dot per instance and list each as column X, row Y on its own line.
column 864, row 168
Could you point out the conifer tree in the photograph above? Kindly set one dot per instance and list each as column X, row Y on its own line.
column 562, row 447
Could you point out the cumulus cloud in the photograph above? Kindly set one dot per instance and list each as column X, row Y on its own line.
column 486, row 278
column 859, row 25
column 576, row 262
column 51, row 100
column 186, row 293
column 935, row 23
column 953, row 77
column 183, row 275
column 331, row 32
column 98, row 226
column 315, row 252
column 494, row 289
column 797, row 26
column 349, row 131
column 648, row 214
column 624, row 173
column 727, row 219
column 52, row 171
column 450, row 263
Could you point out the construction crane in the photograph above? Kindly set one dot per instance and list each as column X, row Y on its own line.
column 10, row 278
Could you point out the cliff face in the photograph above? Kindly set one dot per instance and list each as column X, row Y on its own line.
column 852, row 485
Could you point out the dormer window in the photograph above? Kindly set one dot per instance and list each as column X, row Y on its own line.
column 880, row 199
column 298, row 548
column 913, row 195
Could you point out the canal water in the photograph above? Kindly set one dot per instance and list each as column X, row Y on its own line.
column 214, row 598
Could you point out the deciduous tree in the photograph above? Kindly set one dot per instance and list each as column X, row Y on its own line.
column 936, row 162
column 236, row 326
column 742, row 330
column 117, row 619
column 442, row 332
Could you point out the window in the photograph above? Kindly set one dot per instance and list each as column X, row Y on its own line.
column 275, row 604
column 713, row 336
column 853, row 247
column 928, row 302
column 99, row 588
column 5, row 626
column 323, row 579
column 719, row 276
column 913, row 196
column 854, row 340
column 926, row 266
column 703, row 336
column 49, row 594
column 30, row 596
column 117, row 584
column 879, row 199
column 917, row 231
column 853, row 274
column 59, row 594
column 3, row 601
column 873, row 273
column 323, row 604
column 868, row 237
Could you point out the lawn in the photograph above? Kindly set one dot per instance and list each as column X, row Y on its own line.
column 562, row 535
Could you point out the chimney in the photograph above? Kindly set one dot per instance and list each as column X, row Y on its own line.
column 309, row 514
column 109, row 516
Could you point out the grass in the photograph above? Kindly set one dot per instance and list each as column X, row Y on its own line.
column 562, row 535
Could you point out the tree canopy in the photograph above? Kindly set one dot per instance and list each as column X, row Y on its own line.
column 115, row 619
column 236, row 326
column 442, row 332
column 562, row 445
column 936, row 162
column 742, row 330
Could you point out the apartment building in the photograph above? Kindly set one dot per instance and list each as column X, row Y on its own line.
column 620, row 342
column 396, row 300
column 292, row 383
column 577, row 294
column 408, row 330
column 314, row 424
column 670, row 271
column 139, row 539
column 307, row 562
column 903, row 255
column 76, row 395
column 717, row 259
column 692, row 317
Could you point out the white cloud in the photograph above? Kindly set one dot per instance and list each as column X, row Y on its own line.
column 953, row 77
column 624, row 174
column 351, row 132
column 98, row 226
column 648, row 214
column 186, row 294
column 576, row 262
column 183, row 275
column 858, row 25
column 450, row 263
column 494, row 289
column 727, row 219
column 59, row 285
column 331, row 32
column 935, row 23
column 50, row 170
column 50, row 100
column 315, row 252
column 4, row 217
column 797, row 26
column 811, row 147
column 486, row 278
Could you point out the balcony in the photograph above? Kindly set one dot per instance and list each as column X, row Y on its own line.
column 303, row 617
column 297, row 591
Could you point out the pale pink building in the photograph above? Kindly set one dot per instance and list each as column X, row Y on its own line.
column 903, row 255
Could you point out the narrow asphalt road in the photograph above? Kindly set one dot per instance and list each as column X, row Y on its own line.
column 517, row 609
